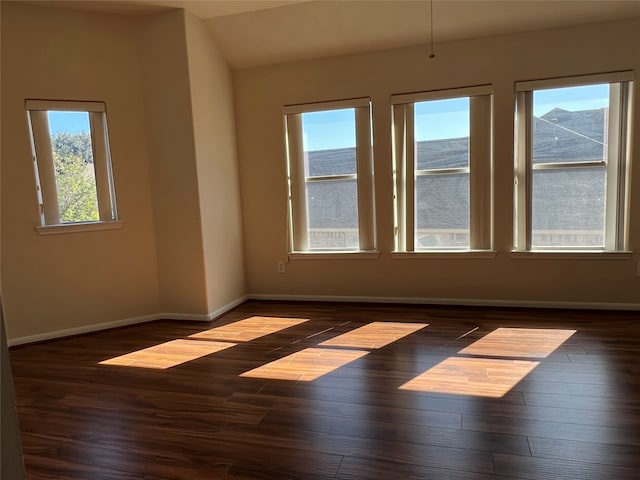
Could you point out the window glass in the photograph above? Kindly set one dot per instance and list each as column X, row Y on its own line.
column 442, row 211
column 329, row 144
column 569, row 124
column 441, row 133
column 332, row 211
column 568, row 203
column 73, row 166
column 568, row 207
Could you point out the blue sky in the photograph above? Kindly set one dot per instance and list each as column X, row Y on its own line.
column 572, row 99
column 329, row 129
column 72, row 122
column 441, row 119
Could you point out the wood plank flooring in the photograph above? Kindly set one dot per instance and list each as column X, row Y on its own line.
column 320, row 391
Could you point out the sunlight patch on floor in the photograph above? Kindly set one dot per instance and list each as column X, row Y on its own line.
column 472, row 376
column 519, row 342
column 484, row 375
column 305, row 365
column 168, row 354
column 248, row 329
column 374, row 335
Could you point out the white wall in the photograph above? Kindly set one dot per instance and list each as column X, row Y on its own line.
column 68, row 281
column 176, row 203
column 169, row 101
column 501, row 61
column 11, row 462
column 217, row 167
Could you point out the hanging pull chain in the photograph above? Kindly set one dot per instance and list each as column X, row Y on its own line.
column 432, row 55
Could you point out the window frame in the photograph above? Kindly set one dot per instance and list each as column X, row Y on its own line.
column 45, row 176
column 298, row 241
column 616, row 163
column 480, row 170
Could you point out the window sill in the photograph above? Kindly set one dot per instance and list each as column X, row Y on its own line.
column 333, row 255
column 571, row 255
column 79, row 227
column 487, row 254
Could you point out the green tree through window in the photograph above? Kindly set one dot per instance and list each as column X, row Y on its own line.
column 75, row 177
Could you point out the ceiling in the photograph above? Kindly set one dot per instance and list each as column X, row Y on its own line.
column 261, row 32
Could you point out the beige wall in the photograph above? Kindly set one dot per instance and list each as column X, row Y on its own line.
column 169, row 100
column 169, row 97
column 11, row 462
column 176, row 207
column 261, row 93
column 217, row 168
column 59, row 282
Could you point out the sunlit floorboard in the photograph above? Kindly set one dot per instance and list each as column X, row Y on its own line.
column 306, row 365
column 519, row 342
column 472, row 376
column 374, row 335
column 248, row 329
column 168, row 354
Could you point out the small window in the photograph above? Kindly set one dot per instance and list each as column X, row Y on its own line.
column 330, row 176
column 571, row 163
column 72, row 162
column 442, row 167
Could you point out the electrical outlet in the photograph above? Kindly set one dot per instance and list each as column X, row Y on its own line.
column 281, row 267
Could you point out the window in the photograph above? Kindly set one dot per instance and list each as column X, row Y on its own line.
column 330, row 174
column 572, row 143
column 442, row 169
column 72, row 162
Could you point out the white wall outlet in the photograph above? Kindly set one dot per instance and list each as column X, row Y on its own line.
column 281, row 267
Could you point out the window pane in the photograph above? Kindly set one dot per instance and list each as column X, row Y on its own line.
column 332, row 214
column 329, row 142
column 442, row 133
column 73, row 164
column 568, row 207
column 569, row 124
column 442, row 211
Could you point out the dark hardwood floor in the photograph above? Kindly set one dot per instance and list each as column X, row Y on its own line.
column 473, row 393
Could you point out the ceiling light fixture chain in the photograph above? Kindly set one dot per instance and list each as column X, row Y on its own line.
column 432, row 54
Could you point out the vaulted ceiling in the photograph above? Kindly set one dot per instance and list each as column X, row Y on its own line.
column 262, row 32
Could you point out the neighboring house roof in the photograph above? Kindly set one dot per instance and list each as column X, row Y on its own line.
column 559, row 135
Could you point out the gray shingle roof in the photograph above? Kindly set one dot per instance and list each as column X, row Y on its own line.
column 560, row 135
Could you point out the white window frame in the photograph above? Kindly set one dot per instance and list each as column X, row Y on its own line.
column 297, row 181
column 42, row 155
column 617, row 160
column 479, row 169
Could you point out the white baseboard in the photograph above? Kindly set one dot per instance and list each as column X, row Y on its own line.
column 125, row 322
column 319, row 298
column 67, row 332
column 229, row 306
column 449, row 301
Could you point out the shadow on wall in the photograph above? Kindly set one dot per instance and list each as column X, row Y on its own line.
column 12, row 467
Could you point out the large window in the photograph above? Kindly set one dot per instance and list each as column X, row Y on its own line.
column 330, row 176
column 442, row 166
column 572, row 140
column 72, row 162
